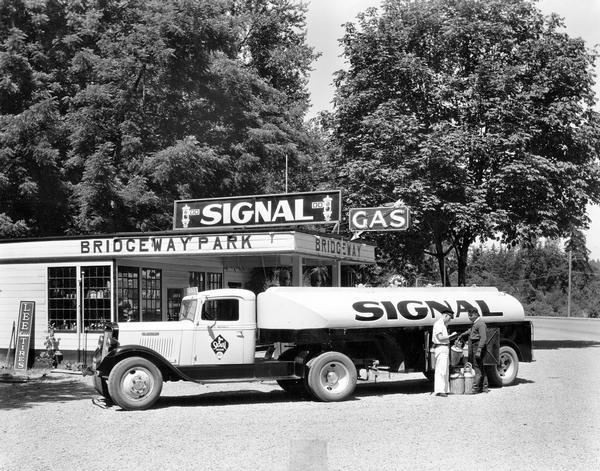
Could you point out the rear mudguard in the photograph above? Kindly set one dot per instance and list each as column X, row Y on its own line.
column 169, row 372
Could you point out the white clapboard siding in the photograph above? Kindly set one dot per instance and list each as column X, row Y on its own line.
column 26, row 282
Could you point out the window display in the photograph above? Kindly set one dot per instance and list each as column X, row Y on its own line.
column 65, row 287
column 96, row 297
column 62, row 299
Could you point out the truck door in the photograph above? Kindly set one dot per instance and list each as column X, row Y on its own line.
column 219, row 336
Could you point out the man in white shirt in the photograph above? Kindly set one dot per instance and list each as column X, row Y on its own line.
column 441, row 345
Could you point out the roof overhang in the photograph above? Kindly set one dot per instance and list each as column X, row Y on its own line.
column 314, row 245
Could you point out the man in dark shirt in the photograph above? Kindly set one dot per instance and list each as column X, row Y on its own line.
column 477, row 337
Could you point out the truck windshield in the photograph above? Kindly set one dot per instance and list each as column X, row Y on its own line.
column 188, row 309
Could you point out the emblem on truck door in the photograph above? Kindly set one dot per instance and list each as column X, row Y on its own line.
column 219, row 346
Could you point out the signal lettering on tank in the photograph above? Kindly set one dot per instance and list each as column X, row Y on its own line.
column 417, row 310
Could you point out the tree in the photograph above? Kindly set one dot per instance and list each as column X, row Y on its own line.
column 477, row 114
column 538, row 276
column 140, row 103
column 33, row 189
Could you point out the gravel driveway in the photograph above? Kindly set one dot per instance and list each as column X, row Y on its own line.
column 549, row 420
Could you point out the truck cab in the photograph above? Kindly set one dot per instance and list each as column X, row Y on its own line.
column 221, row 327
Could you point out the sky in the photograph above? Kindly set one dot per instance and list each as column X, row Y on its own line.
column 324, row 29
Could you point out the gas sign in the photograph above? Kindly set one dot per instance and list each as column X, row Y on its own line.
column 379, row 219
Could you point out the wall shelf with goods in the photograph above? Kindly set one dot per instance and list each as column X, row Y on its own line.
column 96, row 297
column 62, row 299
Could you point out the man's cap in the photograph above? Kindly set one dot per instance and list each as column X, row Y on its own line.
column 448, row 312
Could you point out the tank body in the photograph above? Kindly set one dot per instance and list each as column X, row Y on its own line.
column 299, row 308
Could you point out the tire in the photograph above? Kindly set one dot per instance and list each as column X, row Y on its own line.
column 331, row 377
column 135, row 383
column 295, row 387
column 506, row 373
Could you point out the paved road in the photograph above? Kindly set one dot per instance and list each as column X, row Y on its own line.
column 548, row 420
column 575, row 329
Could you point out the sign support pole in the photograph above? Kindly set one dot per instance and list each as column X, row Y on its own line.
column 10, row 344
column 286, row 173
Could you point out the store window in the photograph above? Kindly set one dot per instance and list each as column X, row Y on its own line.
column 96, row 297
column 197, row 280
column 174, row 297
column 66, row 284
column 214, row 280
column 151, row 294
column 139, row 294
column 128, row 294
column 62, row 299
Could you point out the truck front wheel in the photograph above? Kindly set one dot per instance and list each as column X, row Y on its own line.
column 505, row 373
column 135, row 383
column 331, row 376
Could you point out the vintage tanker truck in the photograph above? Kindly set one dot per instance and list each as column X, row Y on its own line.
column 313, row 341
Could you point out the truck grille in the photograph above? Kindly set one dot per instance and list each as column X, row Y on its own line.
column 162, row 345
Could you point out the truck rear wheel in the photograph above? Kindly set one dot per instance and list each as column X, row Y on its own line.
column 505, row 373
column 331, row 376
column 135, row 383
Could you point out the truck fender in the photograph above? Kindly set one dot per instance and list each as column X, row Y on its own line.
column 113, row 357
column 314, row 355
column 310, row 357
column 509, row 343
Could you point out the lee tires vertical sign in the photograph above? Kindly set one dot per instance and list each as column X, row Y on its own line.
column 24, row 330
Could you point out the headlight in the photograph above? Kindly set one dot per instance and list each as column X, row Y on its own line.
column 108, row 343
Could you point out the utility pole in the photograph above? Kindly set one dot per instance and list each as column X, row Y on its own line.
column 286, row 173
column 569, row 288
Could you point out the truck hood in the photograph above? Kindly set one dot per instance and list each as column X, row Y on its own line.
column 162, row 337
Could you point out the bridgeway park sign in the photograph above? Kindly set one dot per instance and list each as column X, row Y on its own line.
column 289, row 209
column 186, row 244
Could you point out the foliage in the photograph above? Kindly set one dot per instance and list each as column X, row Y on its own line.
column 262, row 278
column 111, row 110
column 478, row 115
column 51, row 356
column 539, row 277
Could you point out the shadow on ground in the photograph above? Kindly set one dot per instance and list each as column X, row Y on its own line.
column 518, row 381
column 49, row 389
column 60, row 389
column 556, row 344
column 250, row 396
